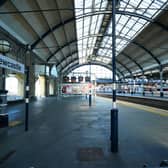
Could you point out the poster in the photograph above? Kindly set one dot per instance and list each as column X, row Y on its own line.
column 76, row 88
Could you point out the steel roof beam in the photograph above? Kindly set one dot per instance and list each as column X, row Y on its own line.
column 66, row 38
column 66, row 22
column 103, row 28
column 73, row 41
column 124, row 66
column 133, row 42
column 127, row 56
column 65, row 45
column 93, row 63
column 91, row 14
column 142, row 17
column 133, row 14
column 65, row 58
column 51, row 30
column 148, row 51
column 130, row 58
column 74, row 67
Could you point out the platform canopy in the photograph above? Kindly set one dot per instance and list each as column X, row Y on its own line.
column 72, row 33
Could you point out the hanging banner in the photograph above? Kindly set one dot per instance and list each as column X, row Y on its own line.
column 8, row 63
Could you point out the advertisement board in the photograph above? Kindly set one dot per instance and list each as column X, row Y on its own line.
column 76, row 88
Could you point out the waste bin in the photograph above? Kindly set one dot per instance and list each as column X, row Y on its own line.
column 3, row 113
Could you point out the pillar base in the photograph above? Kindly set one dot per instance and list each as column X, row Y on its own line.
column 114, row 130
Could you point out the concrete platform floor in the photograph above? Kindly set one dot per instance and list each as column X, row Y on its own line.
column 63, row 133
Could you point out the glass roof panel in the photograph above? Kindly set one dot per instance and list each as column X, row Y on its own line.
column 127, row 27
column 88, row 25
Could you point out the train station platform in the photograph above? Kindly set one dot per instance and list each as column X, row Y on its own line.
column 148, row 100
column 66, row 133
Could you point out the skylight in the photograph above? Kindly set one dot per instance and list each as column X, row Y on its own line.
column 127, row 27
column 87, row 25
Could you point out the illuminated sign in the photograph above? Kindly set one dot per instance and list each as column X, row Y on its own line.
column 8, row 63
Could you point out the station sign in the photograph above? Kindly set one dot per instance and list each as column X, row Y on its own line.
column 8, row 63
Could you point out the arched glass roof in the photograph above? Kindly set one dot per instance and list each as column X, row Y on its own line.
column 97, row 71
column 70, row 33
column 98, row 47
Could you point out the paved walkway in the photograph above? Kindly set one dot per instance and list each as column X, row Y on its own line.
column 66, row 133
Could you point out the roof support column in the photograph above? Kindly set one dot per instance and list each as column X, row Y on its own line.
column 46, row 81
column 114, row 110
column 90, row 85
column 123, row 83
column 60, row 81
column 142, row 84
column 161, row 82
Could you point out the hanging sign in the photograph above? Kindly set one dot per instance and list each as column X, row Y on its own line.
column 80, row 78
column 8, row 63
column 87, row 78
column 73, row 79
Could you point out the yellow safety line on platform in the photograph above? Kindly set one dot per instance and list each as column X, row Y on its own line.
column 143, row 107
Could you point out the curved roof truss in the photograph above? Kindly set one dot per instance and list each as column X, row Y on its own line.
column 76, row 65
column 70, row 32
column 100, row 63
column 54, row 28
column 123, row 53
